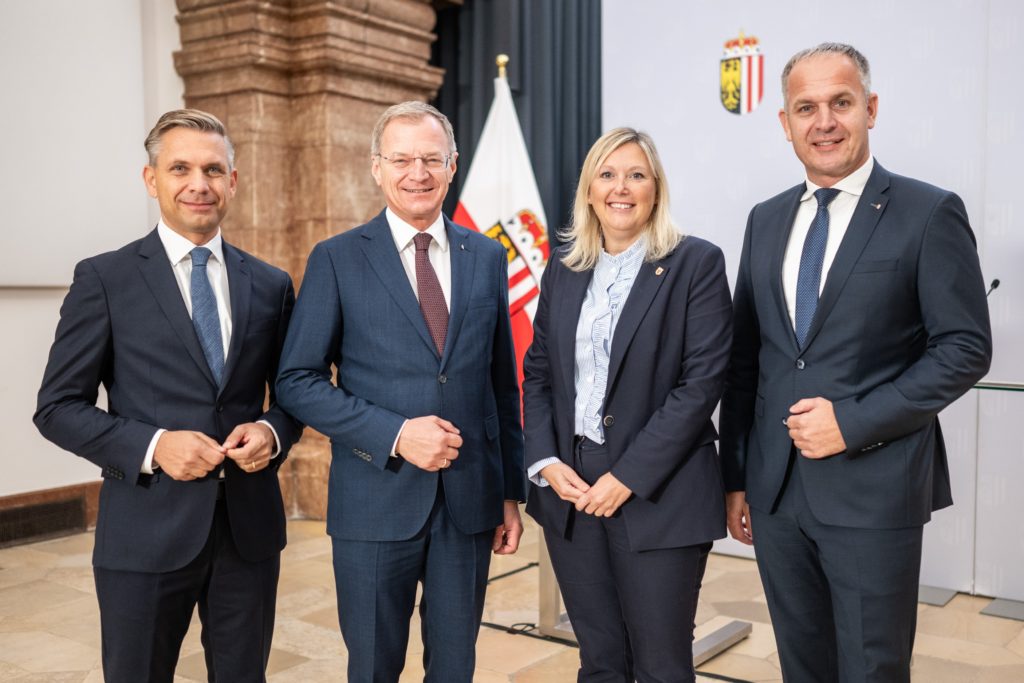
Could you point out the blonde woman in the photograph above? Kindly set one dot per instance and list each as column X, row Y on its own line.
column 631, row 343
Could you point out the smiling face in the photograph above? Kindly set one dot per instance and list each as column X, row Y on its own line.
column 622, row 194
column 192, row 182
column 827, row 117
column 414, row 193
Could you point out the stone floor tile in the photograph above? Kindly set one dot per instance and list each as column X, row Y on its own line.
column 741, row 666
column 963, row 651
column 39, row 652
column 505, row 653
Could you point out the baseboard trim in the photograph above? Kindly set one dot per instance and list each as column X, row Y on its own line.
column 35, row 515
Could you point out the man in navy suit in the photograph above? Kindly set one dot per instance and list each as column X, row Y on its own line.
column 184, row 332
column 860, row 314
column 424, row 417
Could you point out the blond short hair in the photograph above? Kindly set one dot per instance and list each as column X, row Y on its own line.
column 584, row 232
column 193, row 119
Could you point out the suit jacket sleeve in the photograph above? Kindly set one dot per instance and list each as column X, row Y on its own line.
column 289, row 430
column 736, row 415
column 954, row 315
column 80, row 359
column 672, row 432
column 304, row 386
column 538, row 405
column 505, row 379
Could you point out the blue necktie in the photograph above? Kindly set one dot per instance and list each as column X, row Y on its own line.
column 808, row 281
column 205, row 317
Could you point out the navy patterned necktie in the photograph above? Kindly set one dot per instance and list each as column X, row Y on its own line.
column 435, row 310
column 808, row 281
column 205, row 317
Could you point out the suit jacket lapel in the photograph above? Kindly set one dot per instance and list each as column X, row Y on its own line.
column 648, row 282
column 779, row 256
column 862, row 225
column 240, row 293
column 159, row 277
column 565, row 315
column 463, row 262
column 379, row 248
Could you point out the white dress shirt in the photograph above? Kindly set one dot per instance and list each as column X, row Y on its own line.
column 840, row 211
column 440, row 260
column 179, row 253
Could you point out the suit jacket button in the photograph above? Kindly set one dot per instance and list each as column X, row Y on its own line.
column 443, row 379
column 800, row 365
column 220, row 407
column 609, row 420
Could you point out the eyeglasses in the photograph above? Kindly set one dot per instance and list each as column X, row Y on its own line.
column 403, row 163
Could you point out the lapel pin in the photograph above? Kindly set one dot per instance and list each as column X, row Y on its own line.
column 462, row 247
column 659, row 271
column 877, row 206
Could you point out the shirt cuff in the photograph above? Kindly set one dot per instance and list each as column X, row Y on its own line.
column 147, row 462
column 277, row 441
column 533, row 472
column 394, row 446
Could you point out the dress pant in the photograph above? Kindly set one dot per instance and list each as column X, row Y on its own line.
column 144, row 616
column 376, row 586
column 843, row 601
column 632, row 612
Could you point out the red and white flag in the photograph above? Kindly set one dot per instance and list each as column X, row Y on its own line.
column 500, row 199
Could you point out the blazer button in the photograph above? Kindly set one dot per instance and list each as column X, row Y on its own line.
column 609, row 420
column 800, row 365
column 443, row 379
column 220, row 407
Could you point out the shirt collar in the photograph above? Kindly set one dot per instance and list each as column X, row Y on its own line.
column 852, row 184
column 403, row 233
column 632, row 255
column 178, row 247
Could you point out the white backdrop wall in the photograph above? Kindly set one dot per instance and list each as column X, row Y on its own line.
column 82, row 82
column 949, row 113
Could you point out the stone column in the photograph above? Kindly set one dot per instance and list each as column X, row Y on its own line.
column 299, row 84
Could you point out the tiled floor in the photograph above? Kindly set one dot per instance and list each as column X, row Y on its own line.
column 49, row 623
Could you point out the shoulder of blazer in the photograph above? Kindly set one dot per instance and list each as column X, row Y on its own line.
column 257, row 265
column 781, row 203
column 918, row 190
column 691, row 246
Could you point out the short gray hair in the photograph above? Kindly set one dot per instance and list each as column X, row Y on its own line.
column 410, row 111
column 193, row 119
column 859, row 61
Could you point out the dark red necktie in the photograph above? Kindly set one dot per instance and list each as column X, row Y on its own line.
column 435, row 310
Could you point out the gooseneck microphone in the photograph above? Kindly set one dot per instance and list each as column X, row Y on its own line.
column 992, row 286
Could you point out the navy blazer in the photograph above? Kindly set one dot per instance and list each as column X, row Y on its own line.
column 901, row 330
column 665, row 377
column 124, row 325
column 357, row 312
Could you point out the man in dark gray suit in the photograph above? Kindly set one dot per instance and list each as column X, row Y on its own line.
column 183, row 330
column 860, row 314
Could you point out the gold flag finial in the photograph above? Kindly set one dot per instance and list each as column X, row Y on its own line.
column 502, row 62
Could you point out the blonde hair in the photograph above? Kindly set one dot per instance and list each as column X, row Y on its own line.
column 193, row 119
column 584, row 232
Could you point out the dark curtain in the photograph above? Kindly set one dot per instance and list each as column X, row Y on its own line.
column 554, row 73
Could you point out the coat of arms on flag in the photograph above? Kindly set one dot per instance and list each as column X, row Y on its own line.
column 500, row 199
column 741, row 73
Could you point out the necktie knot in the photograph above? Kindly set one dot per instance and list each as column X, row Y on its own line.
column 200, row 256
column 422, row 241
column 825, row 195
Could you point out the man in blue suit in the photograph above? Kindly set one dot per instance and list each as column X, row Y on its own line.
column 184, row 332
column 860, row 314
column 424, row 417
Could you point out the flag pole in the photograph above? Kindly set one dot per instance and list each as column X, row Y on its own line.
column 502, row 62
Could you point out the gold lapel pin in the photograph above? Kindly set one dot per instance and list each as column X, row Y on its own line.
column 659, row 271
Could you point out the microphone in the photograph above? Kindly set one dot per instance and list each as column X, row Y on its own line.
column 992, row 286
